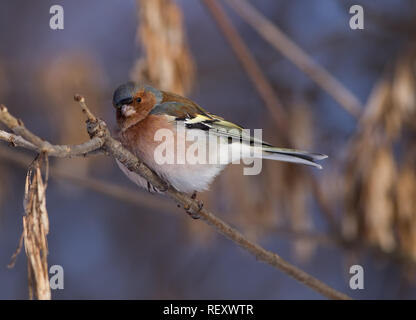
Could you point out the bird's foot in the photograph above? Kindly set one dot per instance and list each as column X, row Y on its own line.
column 151, row 188
column 194, row 214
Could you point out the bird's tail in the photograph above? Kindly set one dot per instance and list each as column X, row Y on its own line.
column 292, row 155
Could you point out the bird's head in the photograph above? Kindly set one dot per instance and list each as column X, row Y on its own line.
column 133, row 102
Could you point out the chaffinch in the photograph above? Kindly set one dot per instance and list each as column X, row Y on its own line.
column 144, row 112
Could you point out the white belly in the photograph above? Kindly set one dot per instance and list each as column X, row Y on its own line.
column 185, row 178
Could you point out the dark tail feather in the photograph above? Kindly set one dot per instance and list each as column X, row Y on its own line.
column 292, row 155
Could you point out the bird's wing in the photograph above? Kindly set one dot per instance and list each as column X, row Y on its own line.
column 195, row 117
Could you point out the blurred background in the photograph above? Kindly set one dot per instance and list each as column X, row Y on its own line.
column 115, row 241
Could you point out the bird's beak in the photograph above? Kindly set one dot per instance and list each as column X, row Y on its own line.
column 127, row 110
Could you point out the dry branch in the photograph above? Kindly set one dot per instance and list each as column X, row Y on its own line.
column 100, row 134
column 166, row 62
column 35, row 230
column 62, row 151
column 17, row 141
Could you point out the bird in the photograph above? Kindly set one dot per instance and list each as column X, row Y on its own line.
column 143, row 111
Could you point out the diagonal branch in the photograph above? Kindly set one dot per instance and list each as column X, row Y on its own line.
column 272, row 34
column 115, row 149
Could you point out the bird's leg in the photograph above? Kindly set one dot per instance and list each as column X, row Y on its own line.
column 151, row 188
column 199, row 203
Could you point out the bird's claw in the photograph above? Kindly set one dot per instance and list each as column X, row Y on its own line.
column 151, row 188
column 192, row 213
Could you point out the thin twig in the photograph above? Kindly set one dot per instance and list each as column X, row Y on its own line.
column 81, row 100
column 294, row 53
column 16, row 141
column 63, row 151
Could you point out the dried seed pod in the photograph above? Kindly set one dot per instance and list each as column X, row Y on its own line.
column 166, row 62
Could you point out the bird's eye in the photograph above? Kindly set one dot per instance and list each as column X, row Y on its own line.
column 138, row 100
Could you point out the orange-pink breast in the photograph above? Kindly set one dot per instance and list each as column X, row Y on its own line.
column 140, row 139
